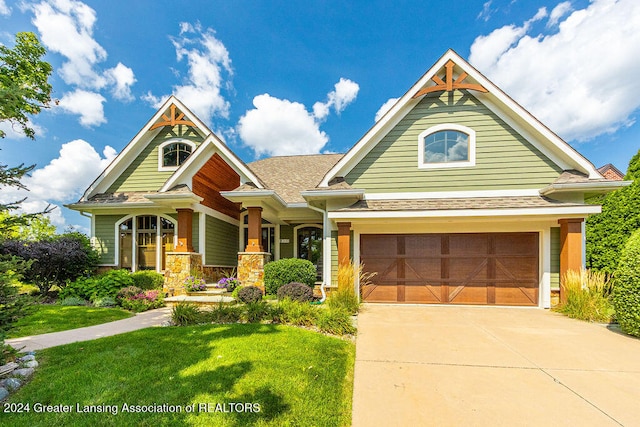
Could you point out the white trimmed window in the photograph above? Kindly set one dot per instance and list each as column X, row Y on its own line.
column 172, row 154
column 447, row 146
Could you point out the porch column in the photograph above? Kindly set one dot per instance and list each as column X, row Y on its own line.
column 254, row 232
column 570, row 248
column 344, row 243
column 185, row 239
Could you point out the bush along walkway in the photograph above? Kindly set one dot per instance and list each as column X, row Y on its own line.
column 146, row 319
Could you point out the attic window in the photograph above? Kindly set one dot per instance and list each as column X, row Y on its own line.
column 445, row 146
column 173, row 154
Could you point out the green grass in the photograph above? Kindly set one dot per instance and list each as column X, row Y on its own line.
column 56, row 318
column 298, row 377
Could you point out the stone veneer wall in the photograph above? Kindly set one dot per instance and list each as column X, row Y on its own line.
column 179, row 266
column 251, row 268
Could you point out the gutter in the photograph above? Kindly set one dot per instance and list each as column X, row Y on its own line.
column 326, row 249
column 602, row 186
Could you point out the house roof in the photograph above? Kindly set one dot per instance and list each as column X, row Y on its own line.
column 611, row 172
column 132, row 197
column 550, row 144
column 289, row 175
column 456, row 204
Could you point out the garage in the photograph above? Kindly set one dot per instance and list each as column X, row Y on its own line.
column 452, row 268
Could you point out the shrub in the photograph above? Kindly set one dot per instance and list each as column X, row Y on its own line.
column 344, row 298
column 194, row 284
column 587, row 295
column 228, row 283
column 249, row 294
column 184, row 314
column 335, row 321
column 225, row 313
column 73, row 301
column 13, row 306
column 54, row 261
column 626, row 292
column 147, row 279
column 143, row 301
column 287, row 270
column 235, row 292
column 105, row 302
column 297, row 313
column 82, row 287
column 257, row 311
column 296, row 292
column 110, row 283
column 127, row 292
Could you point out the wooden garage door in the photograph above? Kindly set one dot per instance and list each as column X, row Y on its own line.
column 482, row 268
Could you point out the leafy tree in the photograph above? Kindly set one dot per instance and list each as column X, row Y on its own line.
column 608, row 231
column 24, row 86
column 29, row 227
column 55, row 261
column 626, row 292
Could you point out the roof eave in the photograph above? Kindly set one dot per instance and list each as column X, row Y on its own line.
column 590, row 187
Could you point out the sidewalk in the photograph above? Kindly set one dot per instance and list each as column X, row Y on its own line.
column 139, row 321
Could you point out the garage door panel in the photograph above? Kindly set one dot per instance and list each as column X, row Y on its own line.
column 380, row 293
column 458, row 268
column 427, row 293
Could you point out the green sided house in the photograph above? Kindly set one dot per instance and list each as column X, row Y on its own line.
column 457, row 195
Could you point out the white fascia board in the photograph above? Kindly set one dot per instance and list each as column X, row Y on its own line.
column 452, row 194
column 569, row 210
column 90, row 207
column 312, row 194
column 584, row 187
column 250, row 196
column 175, row 199
column 210, row 146
column 136, row 145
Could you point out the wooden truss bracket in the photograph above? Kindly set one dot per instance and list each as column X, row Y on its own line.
column 449, row 84
column 173, row 119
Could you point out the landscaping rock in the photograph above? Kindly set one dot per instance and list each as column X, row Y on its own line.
column 3, row 393
column 31, row 364
column 24, row 372
column 27, row 358
column 11, row 384
column 7, row 369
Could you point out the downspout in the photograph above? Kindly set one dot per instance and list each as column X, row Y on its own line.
column 326, row 249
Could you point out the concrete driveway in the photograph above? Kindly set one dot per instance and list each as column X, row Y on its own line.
column 477, row 366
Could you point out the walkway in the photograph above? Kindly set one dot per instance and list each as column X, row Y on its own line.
column 139, row 321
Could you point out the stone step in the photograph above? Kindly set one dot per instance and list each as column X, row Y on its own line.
column 201, row 300
column 208, row 292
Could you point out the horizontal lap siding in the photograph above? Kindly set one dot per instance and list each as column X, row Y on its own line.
column 105, row 240
column 142, row 173
column 195, row 231
column 221, row 242
column 555, row 257
column 504, row 159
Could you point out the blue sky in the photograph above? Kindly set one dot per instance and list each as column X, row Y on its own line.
column 276, row 77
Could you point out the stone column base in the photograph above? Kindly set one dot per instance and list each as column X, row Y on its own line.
column 251, row 268
column 179, row 266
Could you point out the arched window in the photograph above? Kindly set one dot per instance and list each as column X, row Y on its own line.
column 447, row 145
column 172, row 154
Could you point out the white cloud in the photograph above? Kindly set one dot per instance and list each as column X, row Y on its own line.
column 122, row 78
column 558, row 12
column 13, row 132
column 209, row 71
column 385, row 107
column 345, row 93
column 66, row 27
column 486, row 12
column 62, row 180
column 579, row 80
column 86, row 104
column 278, row 127
column 4, row 9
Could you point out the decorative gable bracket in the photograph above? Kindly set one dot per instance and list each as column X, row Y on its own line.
column 173, row 119
column 449, row 84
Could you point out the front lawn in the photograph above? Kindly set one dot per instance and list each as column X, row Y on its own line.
column 293, row 377
column 55, row 318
